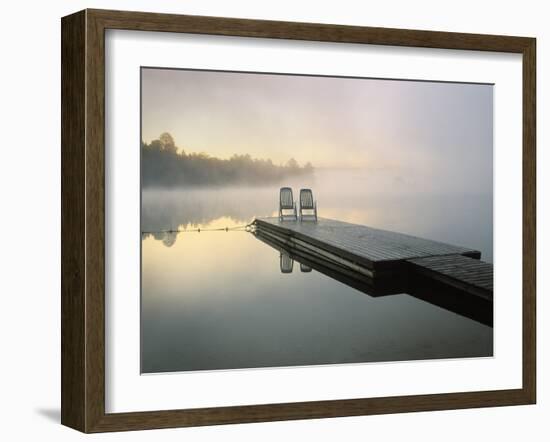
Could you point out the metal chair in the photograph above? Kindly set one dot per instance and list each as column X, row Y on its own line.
column 287, row 203
column 309, row 204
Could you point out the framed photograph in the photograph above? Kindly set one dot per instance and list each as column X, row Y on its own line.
column 270, row 220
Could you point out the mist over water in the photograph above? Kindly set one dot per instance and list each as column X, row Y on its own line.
column 218, row 300
column 463, row 218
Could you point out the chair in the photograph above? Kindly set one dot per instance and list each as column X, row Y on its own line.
column 307, row 203
column 286, row 203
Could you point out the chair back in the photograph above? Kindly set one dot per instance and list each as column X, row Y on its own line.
column 286, row 199
column 306, row 199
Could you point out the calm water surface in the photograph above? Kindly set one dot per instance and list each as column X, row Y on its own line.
column 218, row 300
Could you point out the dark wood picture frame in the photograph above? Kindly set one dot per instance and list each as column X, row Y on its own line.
column 83, row 220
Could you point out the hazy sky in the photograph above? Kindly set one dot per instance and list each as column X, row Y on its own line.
column 436, row 129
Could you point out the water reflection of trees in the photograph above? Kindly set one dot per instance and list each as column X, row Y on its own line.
column 164, row 211
column 167, row 238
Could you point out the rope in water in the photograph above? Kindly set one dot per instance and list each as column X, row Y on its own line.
column 243, row 228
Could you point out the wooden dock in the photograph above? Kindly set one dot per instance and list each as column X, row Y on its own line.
column 380, row 255
column 470, row 275
column 357, row 280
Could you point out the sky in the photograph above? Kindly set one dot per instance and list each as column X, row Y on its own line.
column 431, row 129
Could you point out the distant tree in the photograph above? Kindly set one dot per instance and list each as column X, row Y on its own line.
column 167, row 143
column 163, row 166
column 292, row 164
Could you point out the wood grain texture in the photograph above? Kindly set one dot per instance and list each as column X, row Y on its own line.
column 73, row 252
column 83, row 218
column 145, row 21
column 529, row 220
column 95, row 222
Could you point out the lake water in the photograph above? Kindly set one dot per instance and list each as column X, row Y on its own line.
column 218, row 300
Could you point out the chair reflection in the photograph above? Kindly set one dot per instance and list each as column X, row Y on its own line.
column 286, row 263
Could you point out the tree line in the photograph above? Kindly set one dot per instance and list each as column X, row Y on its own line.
column 163, row 165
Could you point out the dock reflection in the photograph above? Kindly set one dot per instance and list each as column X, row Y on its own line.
column 412, row 283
